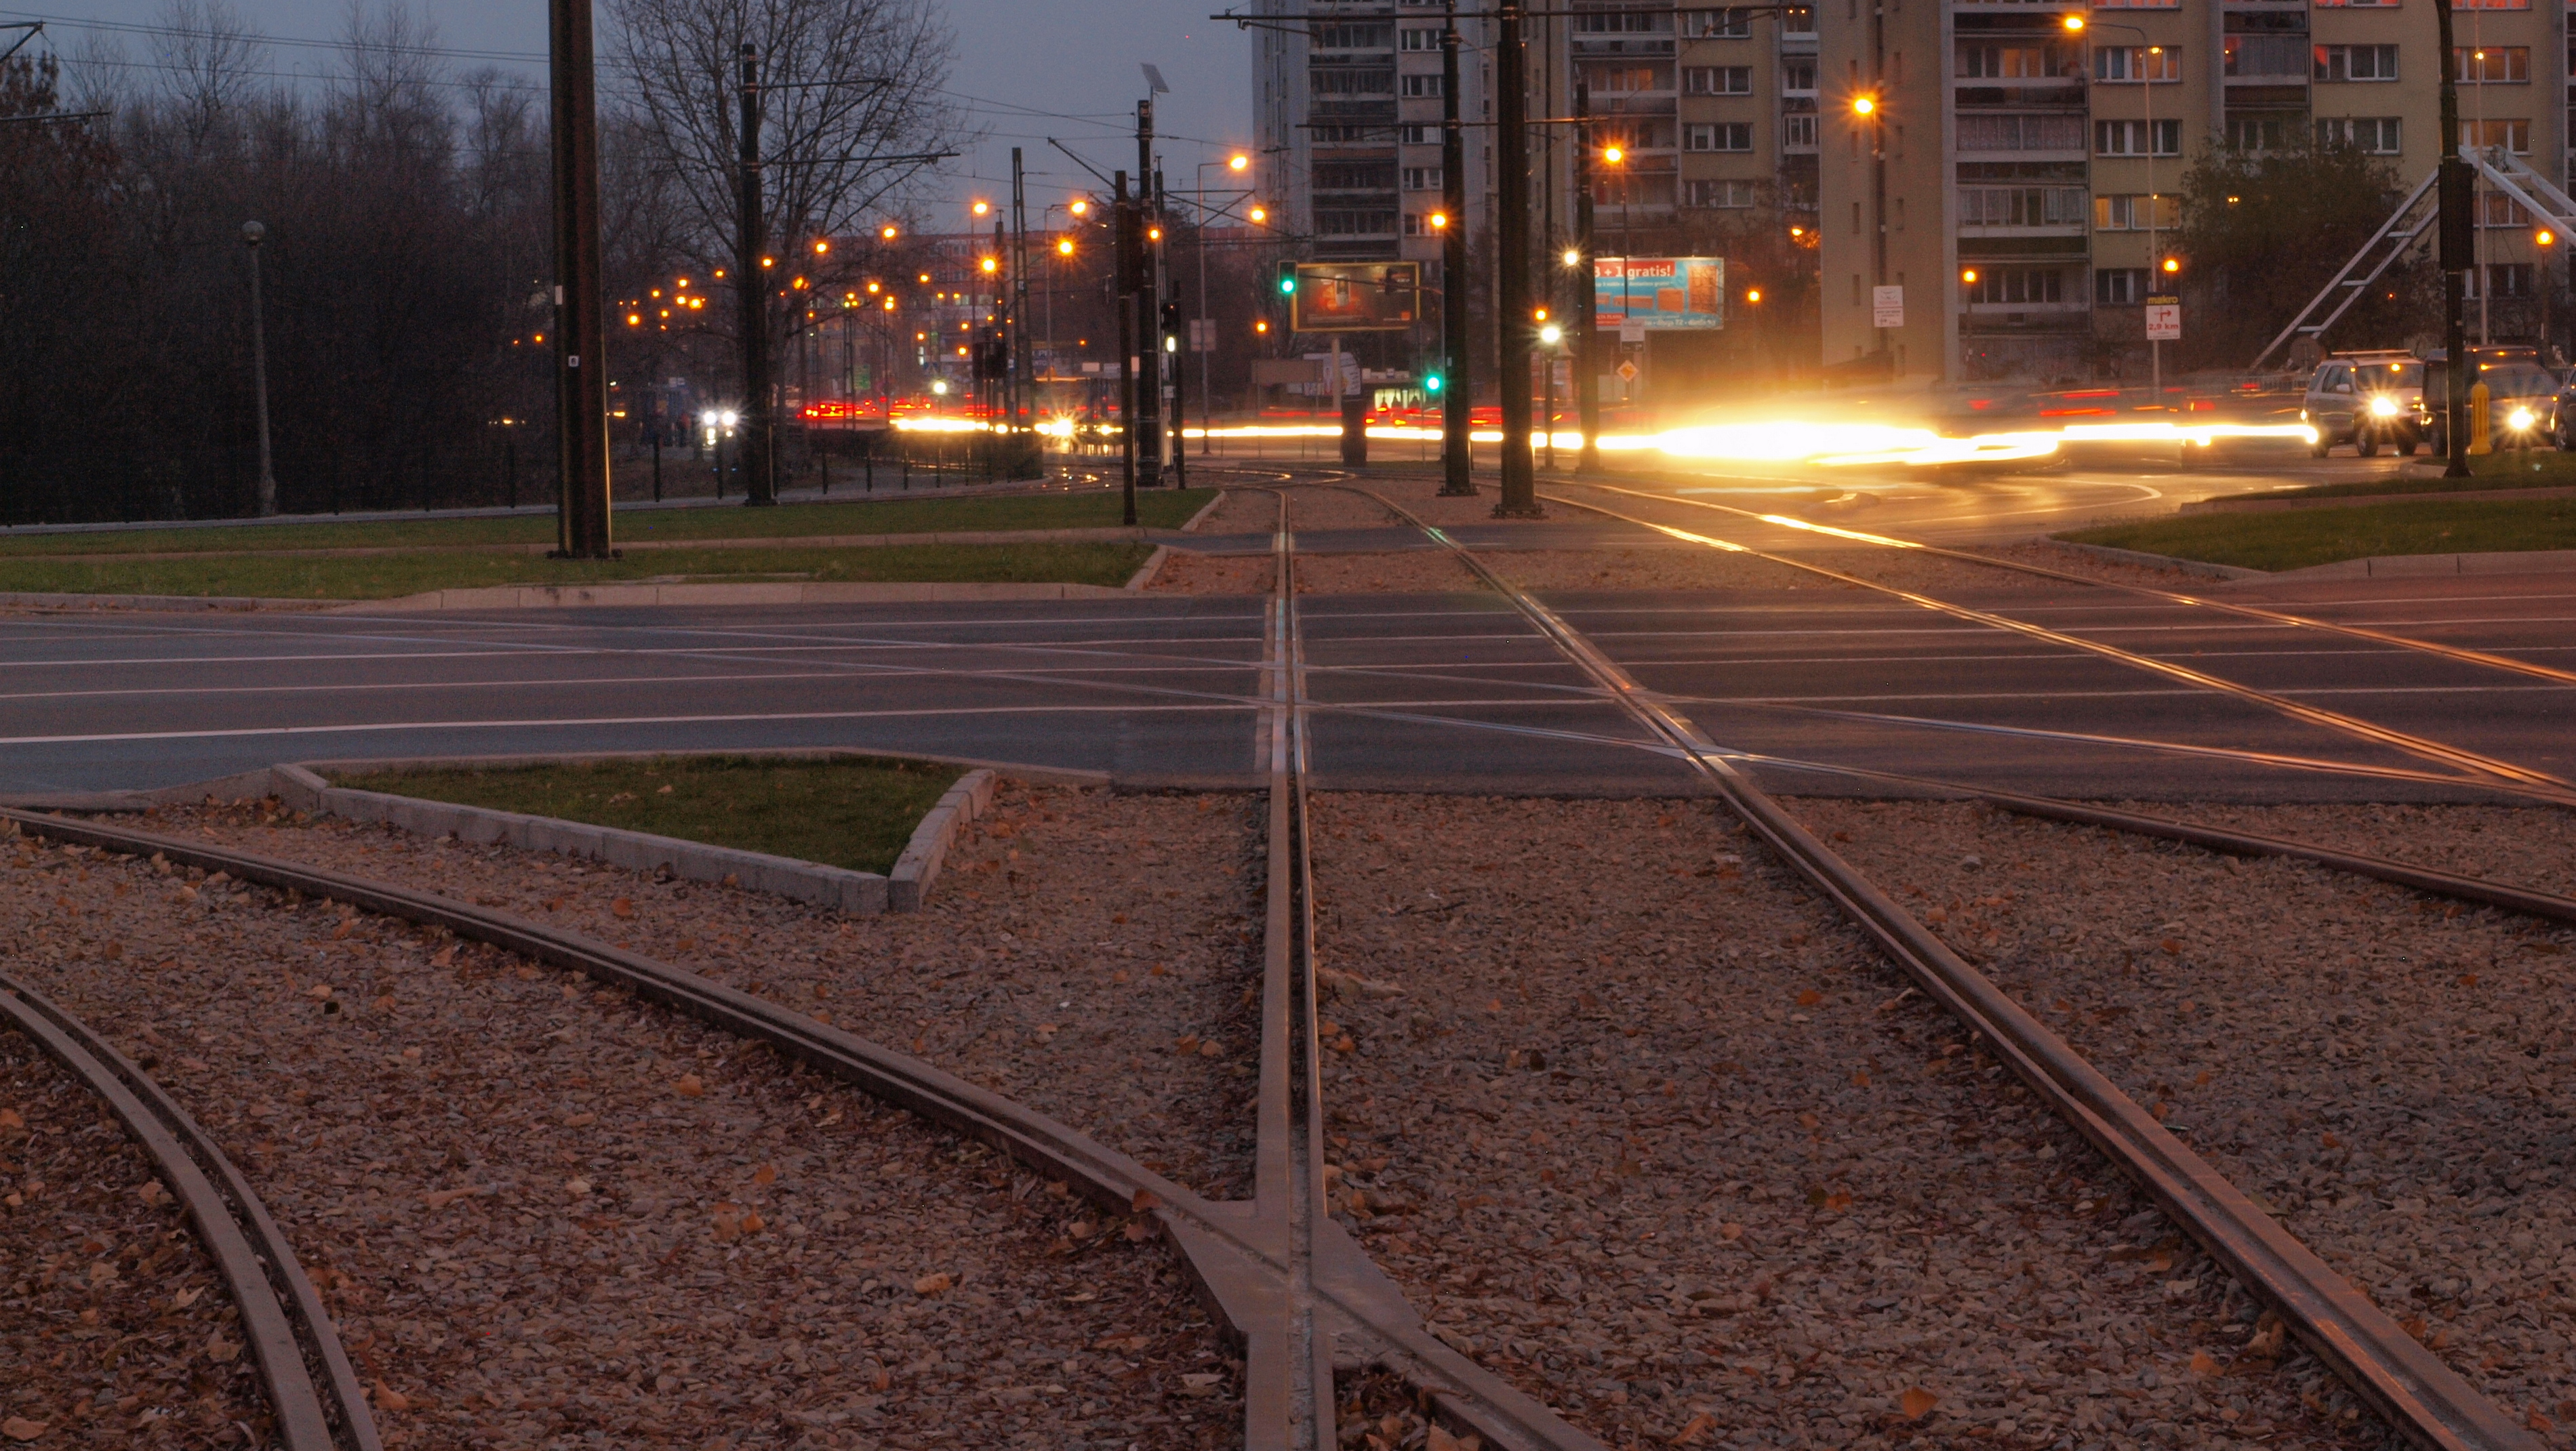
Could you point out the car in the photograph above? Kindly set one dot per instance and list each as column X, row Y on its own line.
column 2522, row 396
column 2367, row 399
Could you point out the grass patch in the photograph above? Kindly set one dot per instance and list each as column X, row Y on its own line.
column 856, row 813
column 389, row 576
column 2538, row 469
column 2295, row 539
column 1092, row 509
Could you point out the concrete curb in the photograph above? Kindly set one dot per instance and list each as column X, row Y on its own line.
column 2356, row 501
column 1039, row 775
column 858, row 893
column 1152, row 566
column 2150, row 561
column 2401, row 566
column 1108, row 533
column 1201, row 517
column 914, row 871
column 574, row 597
column 171, row 603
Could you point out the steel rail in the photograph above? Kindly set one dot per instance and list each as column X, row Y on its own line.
column 289, row 1333
column 2539, row 785
column 2406, row 1384
column 2251, row 612
column 1236, row 1268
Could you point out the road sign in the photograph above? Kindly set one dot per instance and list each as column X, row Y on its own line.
column 1203, row 335
column 2164, row 319
column 1356, row 297
column 1887, row 307
column 1627, row 372
column 1632, row 332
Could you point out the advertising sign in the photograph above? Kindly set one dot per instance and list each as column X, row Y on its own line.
column 1659, row 293
column 1356, row 297
column 2164, row 319
column 1887, row 307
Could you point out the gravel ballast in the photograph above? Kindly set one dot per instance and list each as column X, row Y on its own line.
column 544, row 1213
column 115, row 1328
column 2387, row 1072
column 1646, row 1129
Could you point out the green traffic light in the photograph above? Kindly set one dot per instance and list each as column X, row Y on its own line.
column 1288, row 283
column 1431, row 384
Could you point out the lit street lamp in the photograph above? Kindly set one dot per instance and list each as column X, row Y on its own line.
column 252, row 235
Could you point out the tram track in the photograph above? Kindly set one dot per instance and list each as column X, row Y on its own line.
column 2405, row 1383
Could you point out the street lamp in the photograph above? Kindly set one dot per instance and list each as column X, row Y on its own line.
column 252, row 234
column 1239, row 163
column 2150, row 61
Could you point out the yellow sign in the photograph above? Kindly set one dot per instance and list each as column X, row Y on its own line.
column 2481, row 418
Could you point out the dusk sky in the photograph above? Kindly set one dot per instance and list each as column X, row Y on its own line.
column 1025, row 70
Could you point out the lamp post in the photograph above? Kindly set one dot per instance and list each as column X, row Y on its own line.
column 253, row 234
column 1238, row 163
column 2150, row 61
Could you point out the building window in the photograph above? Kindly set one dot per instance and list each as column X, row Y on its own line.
column 1347, row 36
column 1620, row 22
column 2115, row 64
column 1798, row 76
column 2260, row 133
column 1422, row 178
column 1798, row 20
column 2356, row 62
column 1798, row 131
column 2491, row 65
column 1418, row 37
column 2010, row 286
column 1422, row 85
column 2134, row 213
column 2368, row 5
column 2502, row 279
column 1353, row 83
column 1354, row 224
column 1717, row 80
column 1717, row 194
column 2137, row 4
column 1708, row 24
column 2131, row 138
column 2119, row 286
column 2513, row 136
column 2369, row 135
column 1418, row 135
column 1718, row 136
column 2047, row 61
column 2006, row 132
column 2021, row 206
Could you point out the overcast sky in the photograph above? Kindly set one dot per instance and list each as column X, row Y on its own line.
column 1025, row 70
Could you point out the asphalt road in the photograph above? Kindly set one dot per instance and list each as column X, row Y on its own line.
column 1449, row 691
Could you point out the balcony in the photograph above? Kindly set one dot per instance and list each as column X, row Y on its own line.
column 2268, row 60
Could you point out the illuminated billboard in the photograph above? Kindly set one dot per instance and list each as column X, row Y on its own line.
column 1659, row 293
column 1356, row 297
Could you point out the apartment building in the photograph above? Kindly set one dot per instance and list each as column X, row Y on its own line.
column 2013, row 178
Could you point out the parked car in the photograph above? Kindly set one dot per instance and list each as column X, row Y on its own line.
column 2367, row 399
column 2522, row 396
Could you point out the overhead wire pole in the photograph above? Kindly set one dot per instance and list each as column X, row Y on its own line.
column 1023, row 359
column 751, row 287
column 1130, row 234
column 1587, row 371
column 2459, row 254
column 1458, row 395
column 1512, row 292
column 581, row 304
column 1148, row 354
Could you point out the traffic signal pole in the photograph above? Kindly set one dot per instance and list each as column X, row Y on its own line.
column 751, row 289
column 1587, row 339
column 1512, row 292
column 1458, row 393
column 2455, row 194
column 581, row 381
column 1141, row 304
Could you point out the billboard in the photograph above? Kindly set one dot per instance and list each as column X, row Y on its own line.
column 1659, row 293
column 1356, row 297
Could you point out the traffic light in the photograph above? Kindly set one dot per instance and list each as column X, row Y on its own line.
column 1431, row 383
column 1287, row 279
column 1171, row 319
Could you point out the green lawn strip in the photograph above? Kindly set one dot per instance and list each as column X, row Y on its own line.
column 2537, row 469
column 1093, row 509
column 855, row 813
column 388, row 576
column 2297, row 538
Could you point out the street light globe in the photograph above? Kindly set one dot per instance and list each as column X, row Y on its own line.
column 1753, row 294
column 1613, row 155
column 1237, row 162
column 939, row 386
column 1573, row 257
column 708, row 418
column 886, row 231
column 1551, row 335
column 1261, row 214
column 1081, row 209
column 729, row 418
column 253, row 234
column 1864, row 105
column 983, row 208
column 1440, row 222
column 2074, row 22
column 2172, row 265
column 1064, row 247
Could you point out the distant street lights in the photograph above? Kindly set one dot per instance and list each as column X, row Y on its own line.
column 252, row 235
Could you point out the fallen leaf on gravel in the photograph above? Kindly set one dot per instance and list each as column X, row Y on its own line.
column 1143, row 1200
column 1810, row 998
column 318, row 991
column 933, row 1284
column 389, row 1399
column 1730, row 1231
column 2171, row 946
column 1917, row 1402
column 18, row 1428
column 1860, row 1078
column 581, row 1121
column 1188, row 1045
column 151, row 1192
column 752, row 1223
column 1700, row 1425
column 1140, row 1230
column 1203, row 1383
column 220, row 1350
column 1123, row 1344
column 441, row 1198
column 2535, row 1420
column 690, row 1086
column 186, row 1298
column 2203, row 1364
column 2269, row 1332
column 623, row 906
column 765, row 1174
column 577, row 1187
column 9, row 1119
column 1082, row 1229
column 444, row 959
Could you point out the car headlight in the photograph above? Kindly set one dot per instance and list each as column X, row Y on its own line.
column 2519, row 419
column 2383, row 406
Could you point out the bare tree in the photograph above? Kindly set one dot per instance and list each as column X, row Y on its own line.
column 208, row 57
column 847, row 85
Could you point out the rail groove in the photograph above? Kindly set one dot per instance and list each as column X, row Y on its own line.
column 289, row 1333
column 2422, row 1398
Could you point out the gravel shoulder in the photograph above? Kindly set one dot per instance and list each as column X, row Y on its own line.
column 115, row 1328
column 2387, row 1071
column 546, row 1213
column 1666, row 1144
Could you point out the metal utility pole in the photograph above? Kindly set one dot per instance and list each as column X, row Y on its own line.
column 751, row 288
column 2459, row 254
column 1587, row 341
column 1023, row 360
column 1131, row 236
column 252, row 235
column 1142, row 303
column 1512, row 292
column 581, row 306
column 1458, row 394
